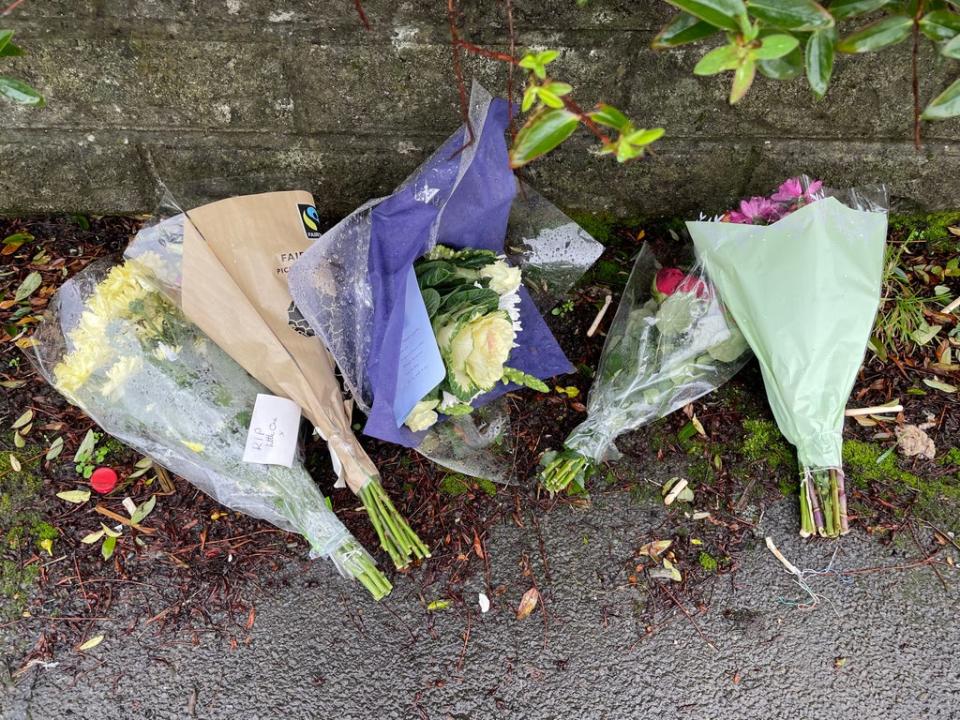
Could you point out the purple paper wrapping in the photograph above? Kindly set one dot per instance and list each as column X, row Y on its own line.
column 458, row 207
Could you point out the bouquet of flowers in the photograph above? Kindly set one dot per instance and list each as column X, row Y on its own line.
column 670, row 343
column 225, row 265
column 120, row 351
column 420, row 296
column 472, row 300
column 801, row 273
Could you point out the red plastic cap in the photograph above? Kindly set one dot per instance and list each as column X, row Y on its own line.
column 103, row 480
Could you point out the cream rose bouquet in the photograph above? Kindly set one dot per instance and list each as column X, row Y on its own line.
column 431, row 300
column 128, row 358
column 472, row 299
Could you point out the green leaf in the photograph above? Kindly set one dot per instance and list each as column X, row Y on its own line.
column 109, row 545
column 529, row 97
column 878, row 35
column 431, row 298
column 725, row 14
column 940, row 25
column 799, row 15
column 787, row 67
column 742, row 80
column 7, row 48
column 549, row 99
column 820, row 53
column 19, row 92
column 644, row 136
column 29, row 285
column 945, row 105
column 716, row 61
column 77, row 497
column 775, row 46
column 843, row 9
column 86, row 446
column 559, row 88
column 11, row 243
column 542, row 133
column 952, row 49
column 610, row 117
column 681, row 30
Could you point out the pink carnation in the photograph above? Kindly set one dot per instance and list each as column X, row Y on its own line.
column 792, row 190
column 755, row 211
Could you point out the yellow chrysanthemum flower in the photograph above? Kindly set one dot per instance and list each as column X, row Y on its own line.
column 118, row 375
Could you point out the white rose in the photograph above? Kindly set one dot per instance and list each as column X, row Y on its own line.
column 422, row 416
column 504, row 278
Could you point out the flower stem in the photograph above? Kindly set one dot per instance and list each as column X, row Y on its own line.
column 563, row 470
column 396, row 536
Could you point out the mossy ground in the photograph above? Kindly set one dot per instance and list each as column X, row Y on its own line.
column 22, row 527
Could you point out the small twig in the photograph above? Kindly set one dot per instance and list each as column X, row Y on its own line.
column 951, row 307
column 876, row 410
column 456, row 44
column 600, row 315
column 124, row 521
column 513, row 53
column 688, row 616
column 585, row 119
column 363, row 16
column 916, row 75
column 466, row 640
column 11, row 7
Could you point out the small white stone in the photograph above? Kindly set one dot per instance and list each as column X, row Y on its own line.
column 484, row 602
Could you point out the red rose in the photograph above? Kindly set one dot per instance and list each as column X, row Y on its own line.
column 693, row 284
column 666, row 282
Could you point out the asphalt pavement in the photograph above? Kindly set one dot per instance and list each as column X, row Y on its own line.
column 880, row 644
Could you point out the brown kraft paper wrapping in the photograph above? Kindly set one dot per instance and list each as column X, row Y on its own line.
column 236, row 255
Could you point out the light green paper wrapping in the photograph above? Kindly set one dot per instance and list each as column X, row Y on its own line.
column 804, row 292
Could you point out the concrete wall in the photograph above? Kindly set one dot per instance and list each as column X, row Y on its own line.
column 220, row 97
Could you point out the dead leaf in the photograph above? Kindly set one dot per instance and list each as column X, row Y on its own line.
column 23, row 420
column 938, row 385
column 676, row 489
column 477, row 545
column 77, row 497
column 656, row 548
column 914, row 442
column 698, row 425
column 252, row 617
column 91, row 643
column 528, row 603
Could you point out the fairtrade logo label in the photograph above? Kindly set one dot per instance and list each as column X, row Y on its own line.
column 310, row 219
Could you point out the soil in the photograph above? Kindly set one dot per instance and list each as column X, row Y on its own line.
column 203, row 567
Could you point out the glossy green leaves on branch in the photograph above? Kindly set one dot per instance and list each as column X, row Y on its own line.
column 793, row 15
column 11, row 88
column 683, row 29
column 878, row 35
column 544, row 131
column 554, row 117
column 725, row 14
column 783, row 39
column 743, row 59
column 819, row 57
column 945, row 105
